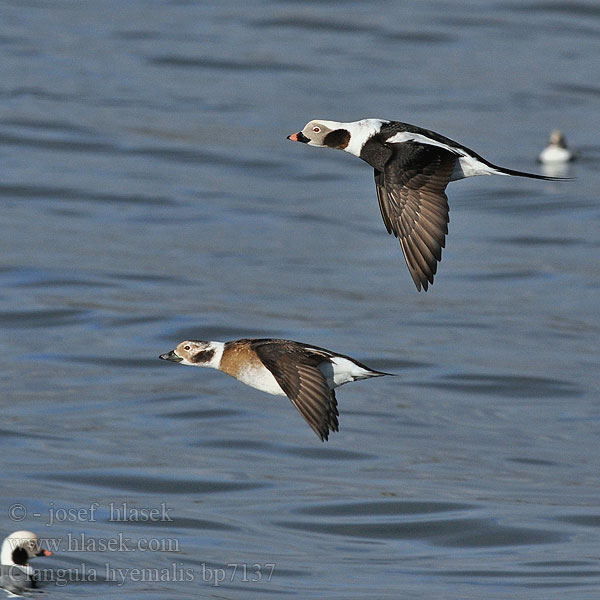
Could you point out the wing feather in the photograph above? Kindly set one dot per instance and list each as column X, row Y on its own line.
column 295, row 369
column 414, row 206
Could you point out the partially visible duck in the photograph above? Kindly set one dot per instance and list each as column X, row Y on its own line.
column 16, row 575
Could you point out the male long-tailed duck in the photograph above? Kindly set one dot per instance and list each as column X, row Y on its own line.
column 412, row 166
column 556, row 151
column 306, row 374
column 16, row 575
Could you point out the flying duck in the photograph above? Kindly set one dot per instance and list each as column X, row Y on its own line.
column 306, row 374
column 412, row 166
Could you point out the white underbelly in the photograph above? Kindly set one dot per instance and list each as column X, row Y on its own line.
column 261, row 378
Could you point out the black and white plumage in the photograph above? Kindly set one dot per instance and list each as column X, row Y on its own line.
column 306, row 374
column 16, row 574
column 412, row 167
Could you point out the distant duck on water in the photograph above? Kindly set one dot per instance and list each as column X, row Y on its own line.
column 557, row 150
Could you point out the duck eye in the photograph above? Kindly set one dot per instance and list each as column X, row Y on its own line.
column 317, row 129
column 186, row 348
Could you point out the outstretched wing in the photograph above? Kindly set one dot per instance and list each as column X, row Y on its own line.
column 414, row 206
column 296, row 371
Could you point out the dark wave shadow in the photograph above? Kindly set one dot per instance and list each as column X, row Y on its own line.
column 517, row 386
column 315, row 24
column 221, row 64
column 581, row 520
column 33, row 319
column 214, row 413
column 325, row 453
column 38, row 192
column 149, row 484
column 172, row 522
column 395, row 507
column 450, row 533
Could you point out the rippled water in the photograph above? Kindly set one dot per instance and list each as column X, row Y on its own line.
column 149, row 195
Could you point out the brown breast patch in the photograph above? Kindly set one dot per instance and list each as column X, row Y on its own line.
column 238, row 356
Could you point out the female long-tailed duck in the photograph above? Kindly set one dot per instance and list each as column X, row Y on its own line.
column 412, row 166
column 556, row 151
column 16, row 575
column 306, row 374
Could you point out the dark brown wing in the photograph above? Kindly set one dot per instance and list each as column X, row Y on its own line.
column 414, row 206
column 296, row 371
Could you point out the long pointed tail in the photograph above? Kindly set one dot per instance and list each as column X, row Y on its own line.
column 373, row 373
column 512, row 172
